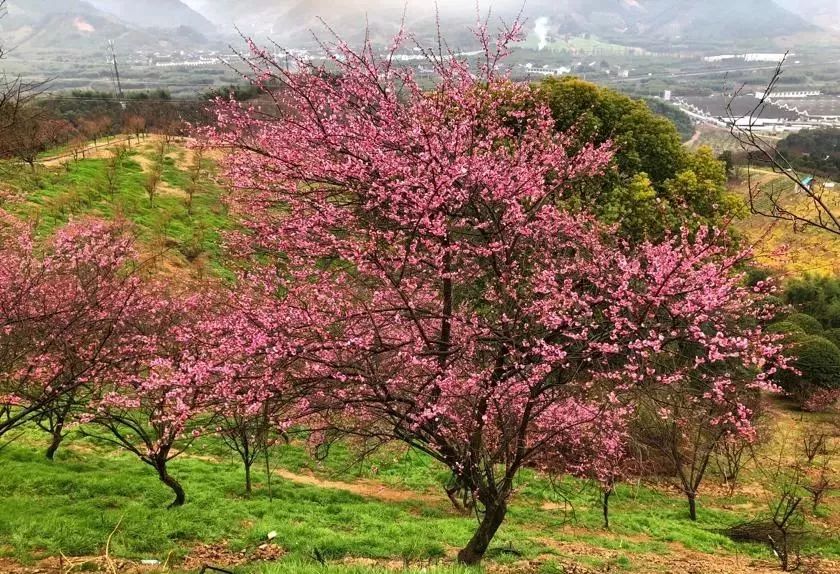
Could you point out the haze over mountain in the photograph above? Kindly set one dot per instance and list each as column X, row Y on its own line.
column 75, row 25
column 86, row 25
column 630, row 19
column 824, row 13
column 156, row 14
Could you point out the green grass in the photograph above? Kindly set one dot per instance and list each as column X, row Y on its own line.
column 72, row 504
column 54, row 196
column 303, row 567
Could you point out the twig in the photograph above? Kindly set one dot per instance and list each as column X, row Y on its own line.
column 110, row 563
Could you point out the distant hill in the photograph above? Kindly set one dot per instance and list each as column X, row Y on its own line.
column 627, row 21
column 80, row 27
column 685, row 20
column 164, row 14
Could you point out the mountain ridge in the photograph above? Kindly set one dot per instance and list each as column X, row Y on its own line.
column 633, row 20
column 79, row 26
column 164, row 14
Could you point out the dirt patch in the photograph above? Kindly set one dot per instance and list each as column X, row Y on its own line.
column 682, row 560
column 519, row 567
column 363, row 488
column 219, row 554
column 214, row 555
column 98, row 150
column 75, row 565
column 204, row 554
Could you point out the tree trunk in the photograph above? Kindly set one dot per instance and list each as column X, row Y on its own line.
column 606, row 506
column 166, row 479
column 268, row 474
column 692, row 506
column 474, row 551
column 57, row 437
column 248, row 478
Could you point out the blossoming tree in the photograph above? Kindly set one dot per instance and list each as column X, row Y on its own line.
column 433, row 286
column 64, row 307
column 199, row 360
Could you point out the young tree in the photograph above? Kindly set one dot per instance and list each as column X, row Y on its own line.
column 596, row 449
column 32, row 133
column 155, row 405
column 729, row 457
column 155, row 174
column 196, row 174
column 246, row 433
column 433, row 284
column 152, row 181
column 687, row 425
column 136, row 125
column 63, row 311
column 78, row 147
column 112, row 169
column 210, row 360
column 95, row 127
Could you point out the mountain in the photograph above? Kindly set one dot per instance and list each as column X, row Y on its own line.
column 678, row 20
column 165, row 14
column 79, row 27
column 823, row 13
column 628, row 21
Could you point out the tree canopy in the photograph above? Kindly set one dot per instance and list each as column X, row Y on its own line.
column 656, row 184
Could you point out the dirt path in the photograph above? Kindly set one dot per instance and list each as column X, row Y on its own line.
column 91, row 151
column 694, row 139
column 363, row 488
column 142, row 148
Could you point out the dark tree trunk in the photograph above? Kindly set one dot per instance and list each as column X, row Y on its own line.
column 268, row 474
column 606, row 507
column 57, row 437
column 166, row 479
column 248, row 478
column 474, row 551
column 692, row 506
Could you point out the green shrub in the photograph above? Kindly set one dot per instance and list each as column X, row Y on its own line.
column 807, row 322
column 785, row 328
column 818, row 361
column 755, row 275
column 832, row 335
column 816, row 295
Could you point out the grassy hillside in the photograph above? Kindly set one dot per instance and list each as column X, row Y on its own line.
column 182, row 238
column 779, row 244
